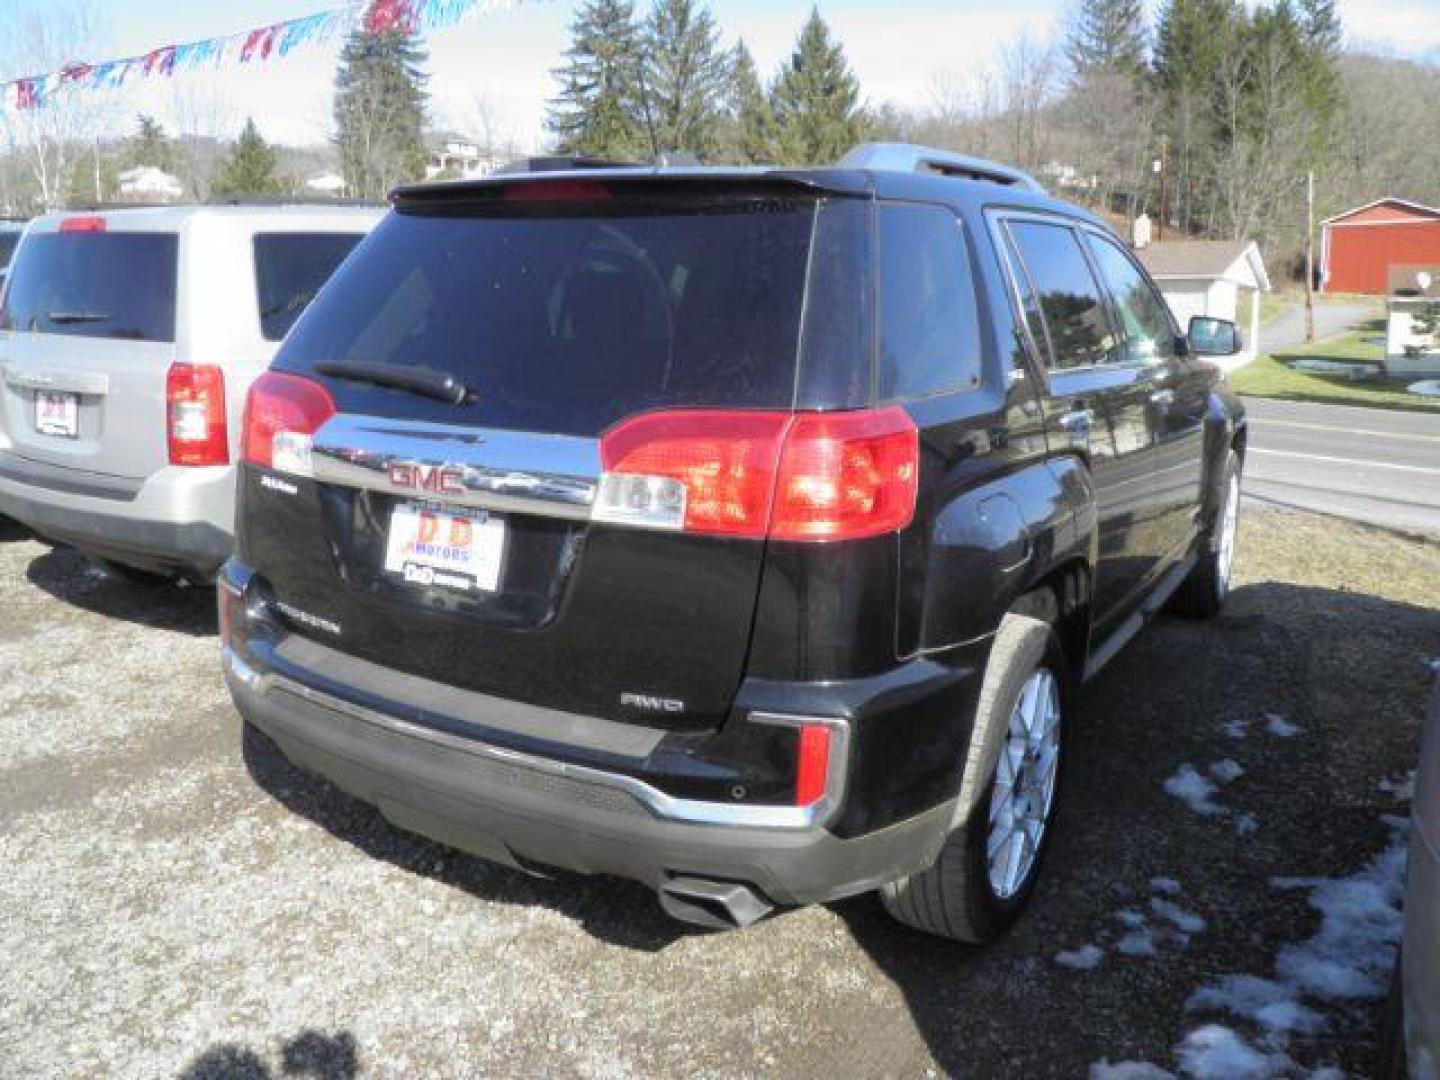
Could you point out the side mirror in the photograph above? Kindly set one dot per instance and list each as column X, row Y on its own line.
column 1214, row 337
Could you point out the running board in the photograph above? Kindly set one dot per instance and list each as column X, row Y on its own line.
column 1151, row 606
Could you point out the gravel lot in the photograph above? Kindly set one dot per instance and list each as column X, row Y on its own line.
column 172, row 906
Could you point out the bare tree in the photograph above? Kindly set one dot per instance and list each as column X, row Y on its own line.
column 204, row 116
column 55, row 135
column 1029, row 73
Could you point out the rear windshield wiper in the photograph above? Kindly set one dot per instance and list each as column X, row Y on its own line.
column 417, row 380
column 60, row 318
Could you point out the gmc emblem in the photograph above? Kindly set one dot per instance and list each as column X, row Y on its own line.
column 436, row 479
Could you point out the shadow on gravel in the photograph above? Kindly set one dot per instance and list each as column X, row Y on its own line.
column 615, row 911
column 310, row 1054
column 12, row 531
column 1347, row 671
column 67, row 575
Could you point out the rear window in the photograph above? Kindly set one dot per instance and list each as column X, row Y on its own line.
column 96, row 285
column 289, row 270
column 8, row 240
column 567, row 318
column 929, row 325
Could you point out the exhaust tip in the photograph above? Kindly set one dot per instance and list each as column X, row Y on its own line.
column 715, row 905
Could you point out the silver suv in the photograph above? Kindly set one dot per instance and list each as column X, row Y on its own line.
column 128, row 341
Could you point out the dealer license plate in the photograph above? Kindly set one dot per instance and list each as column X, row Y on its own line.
column 57, row 413
column 445, row 548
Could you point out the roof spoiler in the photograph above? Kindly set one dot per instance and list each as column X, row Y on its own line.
column 907, row 157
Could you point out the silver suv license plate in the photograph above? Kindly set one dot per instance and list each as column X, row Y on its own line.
column 57, row 413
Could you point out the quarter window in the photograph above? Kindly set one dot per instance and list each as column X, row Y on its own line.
column 1069, row 297
column 929, row 324
column 1149, row 333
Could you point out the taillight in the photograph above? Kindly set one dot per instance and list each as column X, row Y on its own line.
column 805, row 476
column 282, row 415
column 196, row 428
column 812, row 764
column 847, row 475
column 85, row 223
column 703, row 472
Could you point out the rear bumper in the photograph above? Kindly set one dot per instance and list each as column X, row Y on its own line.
column 533, row 813
column 179, row 519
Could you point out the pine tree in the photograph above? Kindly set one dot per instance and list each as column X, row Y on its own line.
column 685, row 75
column 598, row 109
column 380, row 102
column 1106, row 36
column 748, row 136
column 250, row 167
column 151, row 145
column 816, row 99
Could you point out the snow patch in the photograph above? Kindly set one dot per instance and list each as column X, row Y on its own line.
column 1227, row 771
column 1246, row 823
column 1346, row 961
column 1128, row 1070
column 1187, row 922
column 1085, row 958
column 1214, row 1052
column 1278, row 726
column 1237, row 729
column 1166, row 885
column 1139, row 942
column 1194, row 791
column 1400, row 790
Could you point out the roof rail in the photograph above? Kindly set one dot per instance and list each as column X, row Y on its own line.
column 907, row 157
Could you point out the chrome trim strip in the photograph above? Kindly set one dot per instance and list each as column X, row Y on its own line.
column 506, row 471
column 661, row 805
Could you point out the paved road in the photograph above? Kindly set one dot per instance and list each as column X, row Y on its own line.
column 1373, row 465
column 1288, row 328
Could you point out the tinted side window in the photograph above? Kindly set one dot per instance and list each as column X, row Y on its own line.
column 99, row 285
column 929, row 327
column 1070, row 299
column 289, row 270
column 1149, row 334
column 8, row 240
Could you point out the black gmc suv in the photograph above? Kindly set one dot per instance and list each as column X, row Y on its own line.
column 742, row 532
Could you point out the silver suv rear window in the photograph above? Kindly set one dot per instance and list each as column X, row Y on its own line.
column 290, row 267
column 118, row 285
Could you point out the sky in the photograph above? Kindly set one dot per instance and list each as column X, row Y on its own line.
column 503, row 58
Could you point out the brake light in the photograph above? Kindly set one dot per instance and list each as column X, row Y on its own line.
column 558, row 191
column 806, row 476
column 196, row 428
column 847, row 475
column 86, row 223
column 282, row 415
column 812, row 764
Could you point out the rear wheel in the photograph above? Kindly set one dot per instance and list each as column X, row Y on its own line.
column 1203, row 593
column 988, row 867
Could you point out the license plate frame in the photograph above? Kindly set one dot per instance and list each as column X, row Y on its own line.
column 446, row 547
column 57, row 413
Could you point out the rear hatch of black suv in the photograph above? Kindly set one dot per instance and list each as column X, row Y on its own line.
column 526, row 442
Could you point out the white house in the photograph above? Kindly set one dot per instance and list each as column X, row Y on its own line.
column 1408, row 352
column 1221, row 279
column 463, row 159
column 326, row 183
column 146, row 182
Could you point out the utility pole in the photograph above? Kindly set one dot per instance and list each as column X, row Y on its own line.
column 1310, row 256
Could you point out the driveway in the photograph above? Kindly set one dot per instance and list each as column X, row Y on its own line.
column 1287, row 329
column 171, row 905
column 1375, row 465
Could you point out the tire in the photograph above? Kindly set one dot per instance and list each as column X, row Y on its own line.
column 1203, row 593
column 961, row 895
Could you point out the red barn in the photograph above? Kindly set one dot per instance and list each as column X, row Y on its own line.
column 1357, row 249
